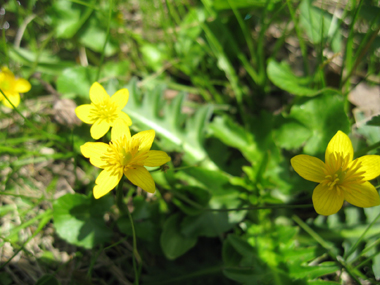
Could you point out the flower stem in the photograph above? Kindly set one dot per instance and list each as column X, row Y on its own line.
column 124, row 210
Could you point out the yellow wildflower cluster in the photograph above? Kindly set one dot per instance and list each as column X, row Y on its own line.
column 12, row 87
column 125, row 154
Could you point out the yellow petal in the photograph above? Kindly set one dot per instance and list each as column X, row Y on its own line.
column 7, row 70
column 340, row 143
column 371, row 166
column 121, row 98
column 362, row 195
column 98, row 94
column 144, row 139
column 141, row 177
column 106, row 181
column 13, row 97
column 94, row 151
column 125, row 117
column 119, row 129
column 327, row 202
column 309, row 167
column 22, row 85
column 83, row 113
column 156, row 158
column 99, row 129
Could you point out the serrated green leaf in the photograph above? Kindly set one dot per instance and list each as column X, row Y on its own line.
column 173, row 242
column 145, row 113
column 78, row 219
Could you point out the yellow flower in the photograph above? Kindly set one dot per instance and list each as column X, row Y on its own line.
column 104, row 110
column 124, row 155
column 340, row 178
column 12, row 87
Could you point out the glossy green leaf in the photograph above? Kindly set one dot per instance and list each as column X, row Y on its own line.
column 78, row 219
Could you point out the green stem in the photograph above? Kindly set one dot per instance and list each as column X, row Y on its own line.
column 124, row 210
column 105, row 42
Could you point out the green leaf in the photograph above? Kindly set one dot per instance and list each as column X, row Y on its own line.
column 145, row 114
column 68, row 18
column 290, row 133
column 78, row 219
column 93, row 36
column 173, row 242
column 283, row 77
column 76, row 80
column 196, row 198
column 209, row 224
column 223, row 194
column 375, row 121
column 320, row 25
column 46, row 62
column 312, row 272
column 323, row 115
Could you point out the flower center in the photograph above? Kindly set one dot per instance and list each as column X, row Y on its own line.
column 341, row 172
column 106, row 110
column 124, row 154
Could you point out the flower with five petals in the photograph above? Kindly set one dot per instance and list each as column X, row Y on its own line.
column 104, row 111
column 12, row 87
column 340, row 177
column 124, row 155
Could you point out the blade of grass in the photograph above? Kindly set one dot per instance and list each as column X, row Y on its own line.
column 348, row 53
column 45, row 218
column 106, row 40
column 359, row 240
column 245, row 31
column 329, row 247
column 300, row 39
